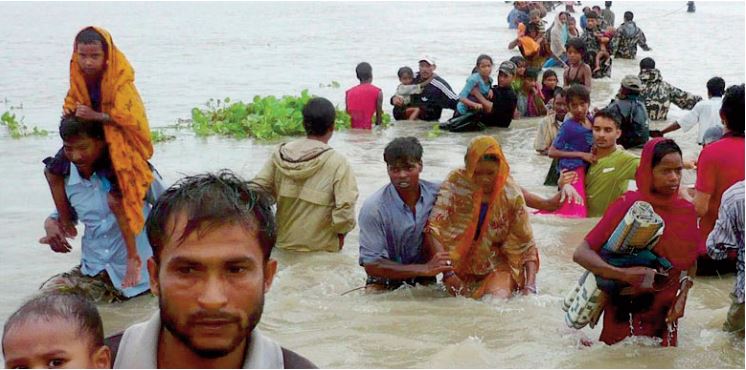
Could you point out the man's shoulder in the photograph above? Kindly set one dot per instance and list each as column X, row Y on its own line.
column 292, row 360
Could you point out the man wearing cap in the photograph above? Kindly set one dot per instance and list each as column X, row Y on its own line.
column 499, row 111
column 628, row 36
column 629, row 109
column 435, row 96
column 658, row 94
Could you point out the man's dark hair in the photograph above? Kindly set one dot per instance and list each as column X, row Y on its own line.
column 65, row 306
column 90, row 36
column 560, row 92
column 716, row 86
column 576, row 43
column 607, row 4
column 208, row 201
column 605, row 113
column 596, row 7
column 664, row 148
column 732, row 109
column 532, row 73
column 578, row 91
column 647, row 63
column 70, row 126
column 403, row 71
column 403, row 150
column 628, row 16
column 364, row 71
column 318, row 116
column 517, row 59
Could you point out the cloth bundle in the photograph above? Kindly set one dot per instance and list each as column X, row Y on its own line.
column 630, row 244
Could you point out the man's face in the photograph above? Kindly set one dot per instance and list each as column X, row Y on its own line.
column 43, row 343
column 405, row 175
column 211, row 287
column 560, row 106
column 91, row 58
column 605, row 133
column 592, row 23
column 83, row 151
column 426, row 70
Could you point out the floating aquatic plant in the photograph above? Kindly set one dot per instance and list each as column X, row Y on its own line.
column 16, row 127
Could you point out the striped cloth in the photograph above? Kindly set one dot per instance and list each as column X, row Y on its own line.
column 729, row 232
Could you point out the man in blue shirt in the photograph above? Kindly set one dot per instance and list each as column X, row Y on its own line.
column 104, row 257
column 392, row 219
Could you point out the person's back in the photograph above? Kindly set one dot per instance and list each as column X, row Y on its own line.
column 658, row 94
column 364, row 100
column 629, row 109
column 314, row 186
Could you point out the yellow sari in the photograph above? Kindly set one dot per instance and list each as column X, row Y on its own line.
column 128, row 133
column 505, row 243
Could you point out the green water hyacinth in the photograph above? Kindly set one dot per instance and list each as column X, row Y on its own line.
column 264, row 118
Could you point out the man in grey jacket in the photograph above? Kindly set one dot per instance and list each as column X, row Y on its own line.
column 212, row 236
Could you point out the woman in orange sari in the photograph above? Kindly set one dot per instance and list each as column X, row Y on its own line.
column 102, row 89
column 480, row 218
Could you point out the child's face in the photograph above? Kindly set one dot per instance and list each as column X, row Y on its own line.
column 406, row 79
column 91, row 58
column 573, row 55
column 550, row 82
column 578, row 108
column 563, row 18
column 528, row 84
column 485, row 68
column 504, row 79
column 535, row 19
column 571, row 22
column 40, row 343
column 520, row 69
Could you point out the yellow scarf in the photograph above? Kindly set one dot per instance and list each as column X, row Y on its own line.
column 128, row 133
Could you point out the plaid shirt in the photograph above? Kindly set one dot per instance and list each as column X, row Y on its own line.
column 728, row 232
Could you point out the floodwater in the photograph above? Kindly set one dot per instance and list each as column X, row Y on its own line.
column 186, row 53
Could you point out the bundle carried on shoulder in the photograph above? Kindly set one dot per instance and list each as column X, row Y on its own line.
column 630, row 244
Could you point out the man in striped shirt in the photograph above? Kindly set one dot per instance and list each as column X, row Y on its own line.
column 727, row 238
column 437, row 95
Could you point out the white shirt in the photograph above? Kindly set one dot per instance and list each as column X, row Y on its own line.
column 706, row 113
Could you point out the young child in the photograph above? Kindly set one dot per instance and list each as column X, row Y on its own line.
column 572, row 27
column 549, row 86
column 407, row 88
column 530, row 101
column 55, row 330
column 102, row 90
column 603, row 42
column 536, row 20
column 520, row 73
column 577, row 72
column 479, row 79
column 572, row 146
column 364, row 99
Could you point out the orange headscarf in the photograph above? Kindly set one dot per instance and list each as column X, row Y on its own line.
column 128, row 135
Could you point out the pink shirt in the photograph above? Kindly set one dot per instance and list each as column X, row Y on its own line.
column 362, row 102
column 720, row 165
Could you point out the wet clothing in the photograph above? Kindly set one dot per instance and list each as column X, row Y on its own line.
column 128, row 133
column 315, row 190
column 362, row 102
column 436, row 96
column 592, row 47
column 499, row 253
column 645, row 314
column 609, row 178
column 517, row 16
column 705, row 114
column 406, row 92
column 388, row 228
column 608, row 16
column 728, row 235
column 474, row 80
column 573, row 137
column 102, row 245
column 531, row 105
column 633, row 116
column 546, row 132
column 574, row 75
column 628, row 37
column 720, row 165
column 137, row 348
column 504, row 103
column 658, row 95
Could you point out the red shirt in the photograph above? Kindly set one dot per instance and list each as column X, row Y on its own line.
column 720, row 165
column 362, row 101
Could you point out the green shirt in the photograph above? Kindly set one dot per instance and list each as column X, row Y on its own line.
column 608, row 179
